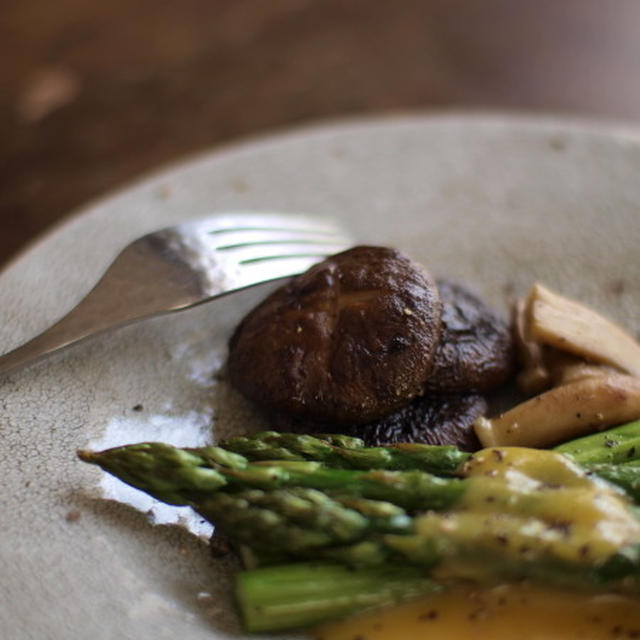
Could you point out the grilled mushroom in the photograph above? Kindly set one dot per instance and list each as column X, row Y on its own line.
column 349, row 341
column 476, row 351
column 437, row 418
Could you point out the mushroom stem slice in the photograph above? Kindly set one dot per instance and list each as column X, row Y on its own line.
column 565, row 368
column 569, row 411
column 534, row 375
column 569, row 326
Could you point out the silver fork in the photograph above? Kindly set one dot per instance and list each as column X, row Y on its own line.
column 183, row 266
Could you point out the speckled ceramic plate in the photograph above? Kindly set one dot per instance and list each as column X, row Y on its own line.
column 496, row 202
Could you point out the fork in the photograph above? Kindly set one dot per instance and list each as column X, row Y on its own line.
column 183, row 266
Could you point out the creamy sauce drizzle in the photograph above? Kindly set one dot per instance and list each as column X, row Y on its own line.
column 575, row 514
column 506, row 612
column 521, row 504
column 529, row 505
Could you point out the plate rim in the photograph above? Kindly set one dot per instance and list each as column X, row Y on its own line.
column 623, row 130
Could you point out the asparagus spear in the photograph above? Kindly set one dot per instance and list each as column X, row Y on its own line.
column 359, row 519
column 183, row 476
column 300, row 522
column 276, row 505
column 626, row 476
column 199, row 468
column 179, row 476
column 298, row 595
column 168, row 473
column 346, row 452
column 616, row 445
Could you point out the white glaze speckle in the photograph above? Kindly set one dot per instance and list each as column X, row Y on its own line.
column 198, row 251
column 190, row 430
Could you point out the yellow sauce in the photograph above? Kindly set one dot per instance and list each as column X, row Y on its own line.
column 518, row 502
column 523, row 506
column 576, row 516
column 500, row 613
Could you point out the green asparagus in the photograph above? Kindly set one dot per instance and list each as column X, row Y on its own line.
column 298, row 595
column 302, row 508
column 625, row 476
column 184, row 476
column 376, row 520
column 300, row 522
column 620, row 444
column 349, row 453
column 179, row 476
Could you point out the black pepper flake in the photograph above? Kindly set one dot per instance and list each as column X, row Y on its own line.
column 490, row 499
column 502, row 539
column 578, row 415
column 617, row 630
column 617, row 287
column 398, row 344
column 631, row 452
column 584, row 550
column 474, row 615
column 429, row 615
column 137, row 407
column 610, row 443
column 509, row 288
column 498, row 455
column 557, row 144
column 563, row 526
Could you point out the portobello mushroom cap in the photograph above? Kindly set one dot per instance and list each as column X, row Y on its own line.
column 347, row 342
column 476, row 349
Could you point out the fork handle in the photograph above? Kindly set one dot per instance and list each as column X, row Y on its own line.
column 82, row 322
column 64, row 333
column 139, row 284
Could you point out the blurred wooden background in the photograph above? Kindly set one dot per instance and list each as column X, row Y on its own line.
column 92, row 94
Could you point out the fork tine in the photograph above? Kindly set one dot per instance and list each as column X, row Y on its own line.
column 263, row 222
column 274, row 268
column 231, row 239
column 268, row 251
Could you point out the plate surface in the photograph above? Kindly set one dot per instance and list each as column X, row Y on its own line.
column 492, row 201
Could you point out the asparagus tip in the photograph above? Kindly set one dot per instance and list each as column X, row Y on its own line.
column 87, row 456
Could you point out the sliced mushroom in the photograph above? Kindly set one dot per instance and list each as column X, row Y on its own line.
column 534, row 375
column 569, row 326
column 565, row 412
column 564, row 368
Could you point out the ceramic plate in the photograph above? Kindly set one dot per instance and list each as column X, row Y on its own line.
column 495, row 202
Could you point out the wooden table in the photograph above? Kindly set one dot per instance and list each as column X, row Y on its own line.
column 93, row 94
